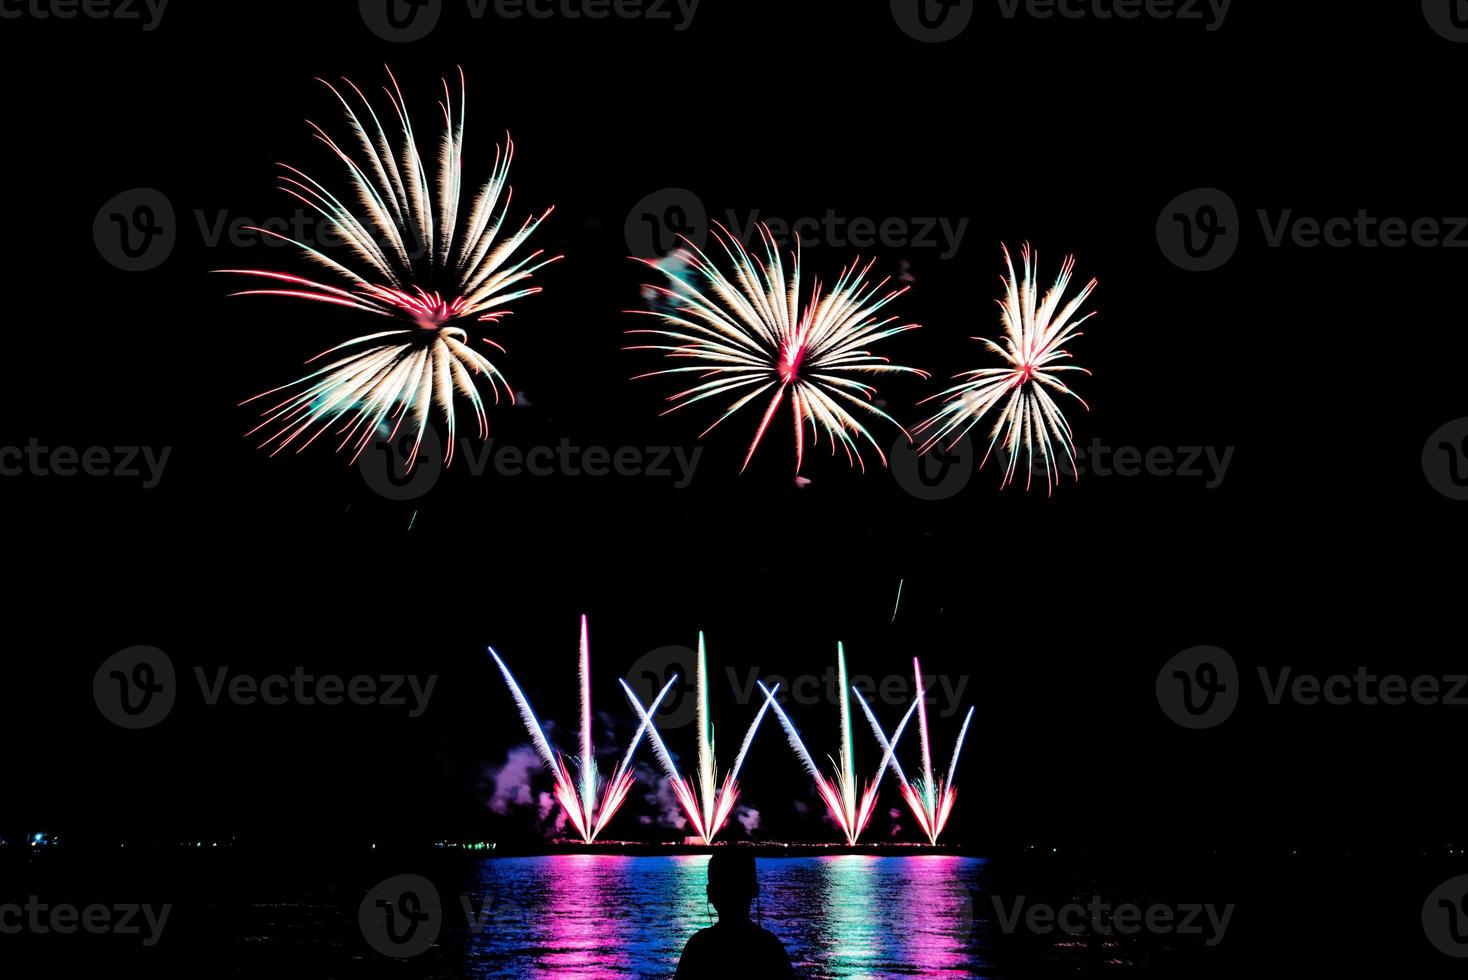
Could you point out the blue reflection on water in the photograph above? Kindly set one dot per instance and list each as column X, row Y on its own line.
column 843, row 916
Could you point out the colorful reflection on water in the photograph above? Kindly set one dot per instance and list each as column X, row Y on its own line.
column 844, row 916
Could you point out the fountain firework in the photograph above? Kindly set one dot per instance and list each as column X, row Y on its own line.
column 707, row 804
column 931, row 802
column 578, row 797
column 840, row 794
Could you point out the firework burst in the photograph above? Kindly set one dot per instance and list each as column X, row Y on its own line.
column 850, row 806
column 1028, row 417
column 588, row 802
column 410, row 256
column 751, row 336
column 706, row 803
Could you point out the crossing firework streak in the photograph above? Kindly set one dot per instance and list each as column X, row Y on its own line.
column 931, row 802
column 850, row 812
column 706, row 803
column 578, row 797
column 414, row 252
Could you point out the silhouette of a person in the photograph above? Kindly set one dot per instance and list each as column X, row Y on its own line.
column 735, row 947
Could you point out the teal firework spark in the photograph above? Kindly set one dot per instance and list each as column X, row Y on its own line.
column 407, row 254
column 753, row 336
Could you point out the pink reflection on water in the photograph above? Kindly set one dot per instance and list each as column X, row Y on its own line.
column 938, row 918
column 598, row 915
column 582, row 938
column 847, row 916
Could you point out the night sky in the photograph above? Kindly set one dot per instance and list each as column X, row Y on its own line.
column 1324, row 370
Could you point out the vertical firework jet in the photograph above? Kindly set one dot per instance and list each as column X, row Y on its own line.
column 840, row 794
column 930, row 801
column 706, row 803
column 586, row 813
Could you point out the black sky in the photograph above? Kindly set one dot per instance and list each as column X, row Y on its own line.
column 1325, row 369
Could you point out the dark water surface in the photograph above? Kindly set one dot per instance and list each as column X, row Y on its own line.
column 280, row 914
column 839, row 916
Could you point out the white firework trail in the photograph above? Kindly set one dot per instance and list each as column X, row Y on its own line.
column 1027, row 418
column 412, row 258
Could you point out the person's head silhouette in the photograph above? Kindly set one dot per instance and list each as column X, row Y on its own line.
column 732, row 883
column 736, row 946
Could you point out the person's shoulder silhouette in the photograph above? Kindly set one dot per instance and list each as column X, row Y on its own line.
column 735, row 947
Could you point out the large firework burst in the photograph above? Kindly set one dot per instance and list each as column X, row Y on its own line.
column 1028, row 417
column 420, row 264
column 751, row 334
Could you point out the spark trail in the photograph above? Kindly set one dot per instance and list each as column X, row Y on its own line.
column 579, row 797
column 931, row 801
column 850, row 811
column 706, row 803
column 751, row 336
column 417, row 251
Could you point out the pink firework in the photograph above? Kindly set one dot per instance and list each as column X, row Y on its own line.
column 578, row 796
column 410, row 256
column 850, row 807
column 930, row 800
column 706, row 803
